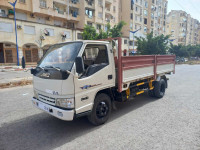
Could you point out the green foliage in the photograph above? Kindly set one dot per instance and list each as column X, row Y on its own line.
column 152, row 45
column 116, row 30
column 90, row 33
column 185, row 51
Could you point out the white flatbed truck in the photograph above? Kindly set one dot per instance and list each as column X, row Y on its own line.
column 84, row 78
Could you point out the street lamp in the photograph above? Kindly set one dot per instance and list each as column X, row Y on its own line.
column 13, row 4
column 133, row 35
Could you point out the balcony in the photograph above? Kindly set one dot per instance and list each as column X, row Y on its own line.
column 74, row 3
column 61, row 2
column 89, row 4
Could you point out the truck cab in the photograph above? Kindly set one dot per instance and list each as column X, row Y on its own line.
column 69, row 77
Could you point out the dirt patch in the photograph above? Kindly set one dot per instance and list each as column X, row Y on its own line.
column 16, row 83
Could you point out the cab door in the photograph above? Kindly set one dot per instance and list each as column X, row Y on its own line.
column 98, row 75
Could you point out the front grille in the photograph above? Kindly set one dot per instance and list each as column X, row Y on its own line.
column 47, row 99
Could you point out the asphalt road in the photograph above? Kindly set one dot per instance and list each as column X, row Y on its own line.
column 170, row 123
column 11, row 76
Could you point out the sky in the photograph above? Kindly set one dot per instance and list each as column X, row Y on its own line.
column 190, row 6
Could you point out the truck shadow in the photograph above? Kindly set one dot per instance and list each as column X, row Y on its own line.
column 42, row 131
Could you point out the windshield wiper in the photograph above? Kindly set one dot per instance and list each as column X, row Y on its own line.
column 56, row 68
column 40, row 67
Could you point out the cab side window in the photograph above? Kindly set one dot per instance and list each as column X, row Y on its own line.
column 95, row 58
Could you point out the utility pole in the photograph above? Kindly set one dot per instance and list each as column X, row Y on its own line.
column 13, row 4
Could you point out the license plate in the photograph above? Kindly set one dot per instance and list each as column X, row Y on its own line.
column 43, row 107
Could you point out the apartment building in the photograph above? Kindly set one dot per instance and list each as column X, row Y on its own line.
column 183, row 28
column 98, row 13
column 41, row 23
column 143, row 15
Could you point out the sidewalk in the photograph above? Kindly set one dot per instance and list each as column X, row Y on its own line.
column 14, row 68
column 10, row 78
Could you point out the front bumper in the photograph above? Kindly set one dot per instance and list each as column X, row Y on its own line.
column 67, row 115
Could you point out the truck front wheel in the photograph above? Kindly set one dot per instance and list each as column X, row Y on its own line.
column 159, row 88
column 101, row 110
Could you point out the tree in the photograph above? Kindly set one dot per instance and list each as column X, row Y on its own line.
column 116, row 30
column 90, row 33
column 152, row 45
column 185, row 51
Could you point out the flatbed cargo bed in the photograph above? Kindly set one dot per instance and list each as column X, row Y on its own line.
column 135, row 68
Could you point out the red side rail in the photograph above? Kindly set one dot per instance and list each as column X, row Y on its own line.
column 132, row 62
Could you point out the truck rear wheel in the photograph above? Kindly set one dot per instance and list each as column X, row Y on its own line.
column 101, row 110
column 159, row 88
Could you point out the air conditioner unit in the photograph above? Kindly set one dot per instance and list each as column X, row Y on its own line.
column 19, row 27
column 42, row 38
column 46, row 32
column 32, row 15
column 47, row 18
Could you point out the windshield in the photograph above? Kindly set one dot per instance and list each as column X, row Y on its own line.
column 61, row 56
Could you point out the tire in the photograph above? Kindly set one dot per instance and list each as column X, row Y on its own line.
column 159, row 88
column 151, row 93
column 101, row 110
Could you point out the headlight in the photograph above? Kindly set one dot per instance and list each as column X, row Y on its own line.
column 65, row 102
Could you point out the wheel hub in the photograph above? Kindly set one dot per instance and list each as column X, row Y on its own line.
column 102, row 110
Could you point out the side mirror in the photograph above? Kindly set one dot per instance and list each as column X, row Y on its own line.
column 79, row 65
column 33, row 71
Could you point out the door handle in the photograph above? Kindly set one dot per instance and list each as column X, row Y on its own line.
column 110, row 77
column 84, row 98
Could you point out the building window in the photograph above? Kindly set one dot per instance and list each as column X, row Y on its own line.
column 135, row 17
column 6, row 27
column 89, row 13
column 145, row 12
column 43, row 3
column 145, row 29
column 41, row 20
column 131, row 15
column 22, row 1
column 2, row 13
column 100, row 2
column 140, row 2
column 21, row 16
column 136, row 9
column 67, row 34
column 49, row 32
column 125, row 41
column 152, row 15
column 57, row 23
column 132, row 7
column 79, row 36
column 100, row 15
column 131, row 26
column 98, row 26
column 146, row 4
column 114, row 8
column 145, row 20
column 135, row 27
column 29, row 30
column 89, row 23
